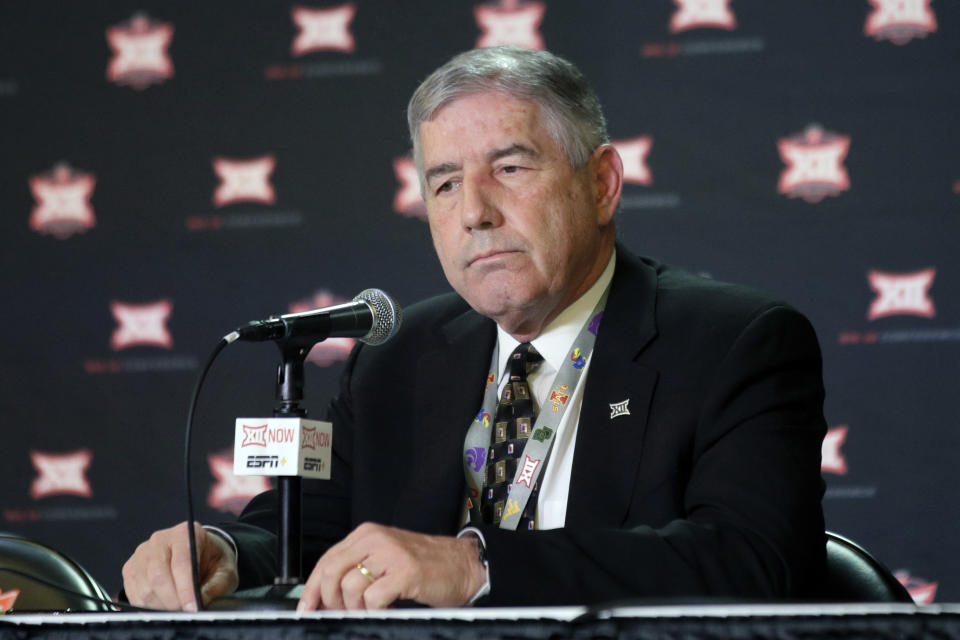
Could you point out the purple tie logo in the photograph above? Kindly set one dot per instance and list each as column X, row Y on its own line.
column 476, row 456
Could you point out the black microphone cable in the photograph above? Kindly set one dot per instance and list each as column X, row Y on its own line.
column 188, row 437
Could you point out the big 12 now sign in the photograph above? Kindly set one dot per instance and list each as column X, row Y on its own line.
column 282, row 447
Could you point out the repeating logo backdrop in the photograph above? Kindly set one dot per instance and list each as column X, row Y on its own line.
column 174, row 170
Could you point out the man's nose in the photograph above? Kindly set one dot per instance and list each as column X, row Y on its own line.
column 479, row 210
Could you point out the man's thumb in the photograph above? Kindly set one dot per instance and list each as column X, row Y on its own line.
column 222, row 582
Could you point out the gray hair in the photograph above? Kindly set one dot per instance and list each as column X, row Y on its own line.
column 570, row 108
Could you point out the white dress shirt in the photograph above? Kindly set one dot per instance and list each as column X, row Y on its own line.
column 554, row 344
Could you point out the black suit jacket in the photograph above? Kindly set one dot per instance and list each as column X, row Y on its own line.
column 709, row 487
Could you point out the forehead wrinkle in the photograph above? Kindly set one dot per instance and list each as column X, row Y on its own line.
column 491, row 156
column 444, row 168
column 514, row 149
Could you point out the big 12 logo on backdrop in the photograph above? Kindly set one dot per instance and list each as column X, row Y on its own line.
column 922, row 591
column 901, row 294
column 696, row 14
column 407, row 199
column 8, row 599
column 320, row 31
column 323, row 29
column 633, row 152
column 244, row 180
column 510, row 22
column 814, row 160
column 230, row 492
column 62, row 198
column 140, row 56
column 141, row 325
column 832, row 459
column 900, row 21
column 61, row 474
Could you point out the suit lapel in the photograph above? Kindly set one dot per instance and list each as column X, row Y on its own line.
column 448, row 392
column 616, row 400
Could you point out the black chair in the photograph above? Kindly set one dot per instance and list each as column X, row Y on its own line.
column 854, row 575
column 37, row 571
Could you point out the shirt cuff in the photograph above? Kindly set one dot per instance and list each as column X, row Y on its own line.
column 226, row 536
column 485, row 589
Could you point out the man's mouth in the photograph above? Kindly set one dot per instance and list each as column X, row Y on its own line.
column 490, row 255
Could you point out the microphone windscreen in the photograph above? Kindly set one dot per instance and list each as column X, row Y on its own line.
column 387, row 316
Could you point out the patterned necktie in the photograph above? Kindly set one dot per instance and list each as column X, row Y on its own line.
column 516, row 415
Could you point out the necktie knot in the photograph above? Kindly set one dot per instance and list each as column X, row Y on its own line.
column 524, row 360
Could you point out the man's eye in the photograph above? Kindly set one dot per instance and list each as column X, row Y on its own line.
column 445, row 187
column 510, row 169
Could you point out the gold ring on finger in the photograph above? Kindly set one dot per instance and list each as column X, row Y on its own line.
column 366, row 572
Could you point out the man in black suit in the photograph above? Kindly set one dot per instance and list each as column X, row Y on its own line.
column 685, row 463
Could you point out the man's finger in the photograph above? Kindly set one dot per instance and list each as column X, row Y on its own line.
column 383, row 592
column 331, row 570
column 181, row 571
column 218, row 565
column 312, row 595
column 157, row 587
column 222, row 581
column 352, row 586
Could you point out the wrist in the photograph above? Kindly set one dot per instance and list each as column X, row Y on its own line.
column 480, row 575
column 223, row 540
column 478, row 566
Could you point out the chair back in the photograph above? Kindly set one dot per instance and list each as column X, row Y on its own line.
column 854, row 575
column 23, row 564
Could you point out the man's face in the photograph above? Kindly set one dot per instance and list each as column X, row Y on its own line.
column 518, row 232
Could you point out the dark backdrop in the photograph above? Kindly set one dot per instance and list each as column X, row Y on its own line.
column 173, row 169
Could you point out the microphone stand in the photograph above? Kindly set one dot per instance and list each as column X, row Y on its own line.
column 290, row 381
column 282, row 595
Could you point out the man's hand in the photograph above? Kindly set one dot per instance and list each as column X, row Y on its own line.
column 158, row 573
column 438, row 571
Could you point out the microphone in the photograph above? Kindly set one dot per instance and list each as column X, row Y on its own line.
column 372, row 316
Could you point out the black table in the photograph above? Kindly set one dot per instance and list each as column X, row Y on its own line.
column 628, row 622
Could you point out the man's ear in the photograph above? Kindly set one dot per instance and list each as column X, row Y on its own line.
column 607, row 170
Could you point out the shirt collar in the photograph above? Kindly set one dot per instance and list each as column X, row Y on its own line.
column 556, row 339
